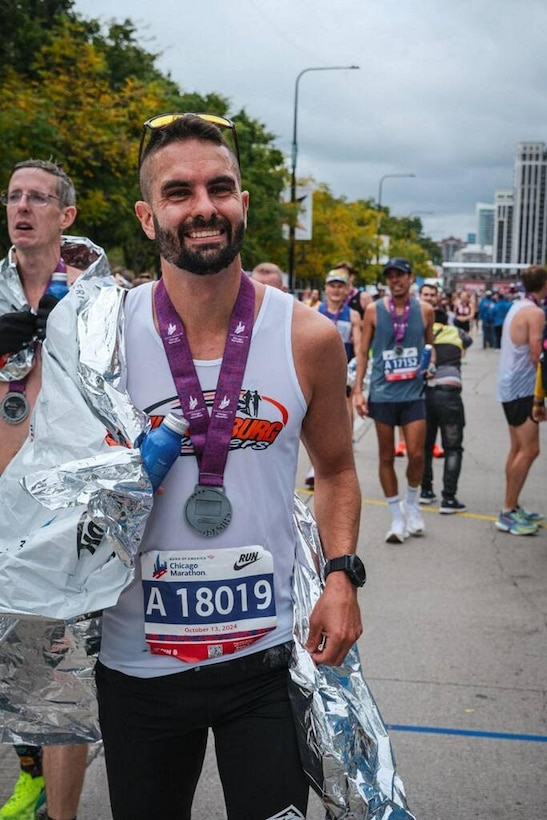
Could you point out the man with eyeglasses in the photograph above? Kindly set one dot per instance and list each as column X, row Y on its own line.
column 202, row 638
column 41, row 206
column 396, row 328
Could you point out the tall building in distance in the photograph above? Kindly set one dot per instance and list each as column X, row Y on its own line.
column 503, row 227
column 485, row 224
column 529, row 240
column 449, row 247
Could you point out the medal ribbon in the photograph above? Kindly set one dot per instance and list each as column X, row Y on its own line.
column 400, row 323
column 210, row 435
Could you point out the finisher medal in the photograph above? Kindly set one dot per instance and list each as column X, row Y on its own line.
column 208, row 510
column 14, row 407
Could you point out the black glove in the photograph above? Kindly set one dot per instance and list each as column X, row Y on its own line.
column 45, row 306
column 17, row 330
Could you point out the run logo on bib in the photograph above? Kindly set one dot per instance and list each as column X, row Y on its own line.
column 204, row 604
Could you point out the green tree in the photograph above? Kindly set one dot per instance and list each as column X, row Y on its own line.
column 83, row 102
column 264, row 175
column 26, row 26
column 341, row 230
column 77, row 91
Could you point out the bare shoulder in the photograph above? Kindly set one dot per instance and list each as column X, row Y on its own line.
column 310, row 327
column 530, row 314
column 370, row 312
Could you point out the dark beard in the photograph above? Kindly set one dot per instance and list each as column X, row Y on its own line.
column 209, row 258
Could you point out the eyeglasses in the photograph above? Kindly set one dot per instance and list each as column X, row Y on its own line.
column 36, row 198
column 163, row 120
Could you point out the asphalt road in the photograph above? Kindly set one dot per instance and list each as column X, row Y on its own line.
column 455, row 639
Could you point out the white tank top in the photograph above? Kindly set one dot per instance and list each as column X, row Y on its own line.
column 259, row 478
column 517, row 372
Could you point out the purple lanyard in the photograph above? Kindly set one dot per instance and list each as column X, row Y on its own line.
column 400, row 323
column 334, row 316
column 210, row 435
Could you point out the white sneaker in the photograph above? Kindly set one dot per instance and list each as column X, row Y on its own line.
column 414, row 521
column 398, row 532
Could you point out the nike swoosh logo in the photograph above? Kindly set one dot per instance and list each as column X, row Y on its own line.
column 238, row 566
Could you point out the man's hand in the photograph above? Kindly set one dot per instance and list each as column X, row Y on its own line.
column 538, row 411
column 17, row 330
column 45, row 306
column 335, row 623
column 360, row 403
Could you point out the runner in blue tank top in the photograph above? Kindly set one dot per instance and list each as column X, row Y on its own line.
column 396, row 328
column 348, row 324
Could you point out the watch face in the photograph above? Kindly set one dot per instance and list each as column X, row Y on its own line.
column 358, row 571
column 351, row 565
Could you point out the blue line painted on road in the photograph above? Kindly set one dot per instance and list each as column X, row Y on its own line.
column 433, row 730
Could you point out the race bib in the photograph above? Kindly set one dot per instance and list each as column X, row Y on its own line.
column 203, row 604
column 401, row 363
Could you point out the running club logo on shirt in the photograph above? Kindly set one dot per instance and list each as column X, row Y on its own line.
column 258, row 422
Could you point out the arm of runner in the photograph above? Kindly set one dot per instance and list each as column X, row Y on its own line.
column 428, row 318
column 335, row 623
column 535, row 334
column 355, row 331
column 367, row 334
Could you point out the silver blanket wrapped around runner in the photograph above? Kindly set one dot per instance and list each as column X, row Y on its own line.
column 47, row 688
column 73, row 504
column 344, row 744
column 75, row 499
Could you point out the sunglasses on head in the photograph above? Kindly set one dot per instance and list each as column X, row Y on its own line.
column 163, row 120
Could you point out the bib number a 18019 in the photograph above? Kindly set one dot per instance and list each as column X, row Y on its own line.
column 224, row 600
column 208, row 603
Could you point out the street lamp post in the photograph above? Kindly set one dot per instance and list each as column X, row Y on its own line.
column 379, row 201
column 294, row 153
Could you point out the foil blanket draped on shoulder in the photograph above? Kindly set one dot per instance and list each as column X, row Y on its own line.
column 77, row 251
column 75, row 499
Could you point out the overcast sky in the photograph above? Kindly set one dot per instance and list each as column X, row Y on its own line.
column 445, row 90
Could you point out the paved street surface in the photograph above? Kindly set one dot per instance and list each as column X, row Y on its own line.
column 454, row 648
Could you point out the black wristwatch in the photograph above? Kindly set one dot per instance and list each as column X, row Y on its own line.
column 351, row 565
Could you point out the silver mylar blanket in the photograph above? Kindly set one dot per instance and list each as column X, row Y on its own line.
column 47, row 688
column 344, row 744
column 75, row 498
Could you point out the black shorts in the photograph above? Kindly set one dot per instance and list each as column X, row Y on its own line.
column 397, row 413
column 518, row 410
column 155, row 735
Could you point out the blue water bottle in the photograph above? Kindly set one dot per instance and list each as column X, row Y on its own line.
column 161, row 447
column 59, row 285
column 425, row 361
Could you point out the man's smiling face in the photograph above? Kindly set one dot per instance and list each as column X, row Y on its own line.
column 196, row 210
